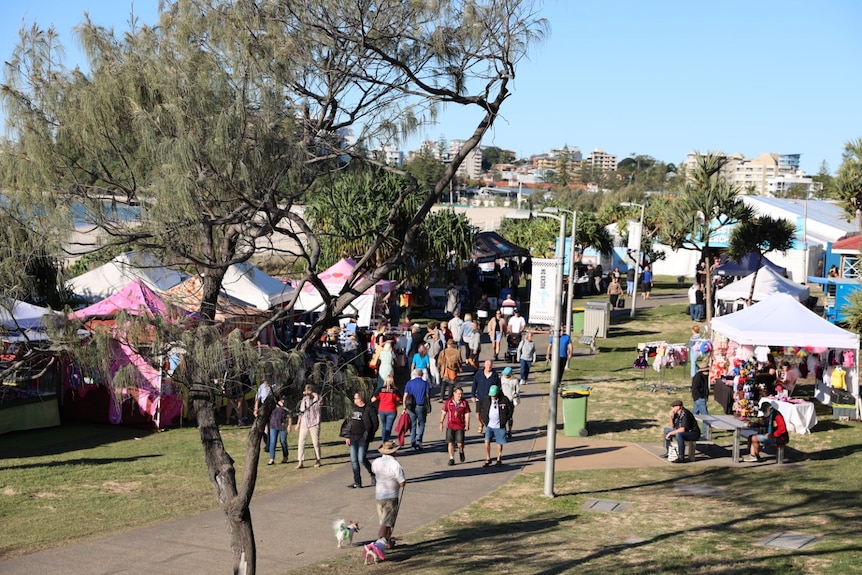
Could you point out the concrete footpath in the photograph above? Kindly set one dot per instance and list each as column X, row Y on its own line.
column 293, row 528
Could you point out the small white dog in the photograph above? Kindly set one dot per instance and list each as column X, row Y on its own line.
column 375, row 551
column 344, row 531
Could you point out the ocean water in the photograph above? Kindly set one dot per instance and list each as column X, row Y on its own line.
column 111, row 210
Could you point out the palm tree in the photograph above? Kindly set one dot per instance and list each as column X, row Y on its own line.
column 762, row 234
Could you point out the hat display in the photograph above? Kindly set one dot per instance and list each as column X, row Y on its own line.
column 388, row 448
column 507, row 371
column 494, row 390
column 702, row 361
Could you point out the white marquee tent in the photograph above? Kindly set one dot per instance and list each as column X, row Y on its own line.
column 767, row 283
column 108, row 279
column 781, row 321
column 254, row 287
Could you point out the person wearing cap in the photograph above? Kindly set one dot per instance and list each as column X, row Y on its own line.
column 495, row 411
column 482, row 382
column 390, row 482
column 700, row 387
column 419, row 388
column 775, row 434
column 511, row 388
column 516, row 324
column 456, row 418
column 683, row 427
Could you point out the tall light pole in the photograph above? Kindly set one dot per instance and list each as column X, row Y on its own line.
column 571, row 291
column 637, row 263
column 556, row 363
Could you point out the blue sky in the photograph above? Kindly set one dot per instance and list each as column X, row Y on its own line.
column 632, row 77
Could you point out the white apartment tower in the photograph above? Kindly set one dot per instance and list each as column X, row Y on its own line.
column 600, row 159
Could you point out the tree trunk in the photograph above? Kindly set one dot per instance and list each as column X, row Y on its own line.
column 709, row 301
column 222, row 474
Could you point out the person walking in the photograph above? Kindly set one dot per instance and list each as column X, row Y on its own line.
column 511, row 388
column 646, row 282
column 449, row 363
column 496, row 330
column 363, row 425
column 526, row 355
column 455, row 417
column 387, row 400
column 495, row 410
column 390, row 484
column 615, row 290
column 566, row 351
column 309, row 425
column 277, row 434
column 420, row 391
column 482, row 382
column 475, row 345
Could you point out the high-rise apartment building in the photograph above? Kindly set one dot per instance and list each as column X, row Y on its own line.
column 765, row 175
column 601, row 160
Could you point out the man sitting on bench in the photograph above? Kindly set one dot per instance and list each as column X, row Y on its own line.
column 776, row 432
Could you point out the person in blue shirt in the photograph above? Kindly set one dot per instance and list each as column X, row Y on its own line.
column 565, row 352
column 646, row 282
column 420, row 390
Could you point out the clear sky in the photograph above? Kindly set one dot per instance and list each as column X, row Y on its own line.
column 632, row 77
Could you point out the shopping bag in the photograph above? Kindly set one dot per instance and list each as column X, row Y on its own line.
column 621, row 303
column 672, row 451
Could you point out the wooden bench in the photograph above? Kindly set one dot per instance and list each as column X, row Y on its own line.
column 779, row 447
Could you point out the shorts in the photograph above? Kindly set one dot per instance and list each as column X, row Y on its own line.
column 454, row 435
column 766, row 439
column 387, row 512
column 498, row 336
column 498, row 436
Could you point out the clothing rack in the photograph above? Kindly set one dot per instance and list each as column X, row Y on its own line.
column 660, row 385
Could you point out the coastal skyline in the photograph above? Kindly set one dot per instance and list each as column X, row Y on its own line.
column 658, row 79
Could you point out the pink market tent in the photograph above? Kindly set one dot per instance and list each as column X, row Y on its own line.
column 134, row 299
column 153, row 394
column 334, row 279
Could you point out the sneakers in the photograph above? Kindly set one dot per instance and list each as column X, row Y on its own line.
column 461, row 456
column 451, row 461
column 751, row 459
column 299, row 465
column 317, row 463
column 355, row 486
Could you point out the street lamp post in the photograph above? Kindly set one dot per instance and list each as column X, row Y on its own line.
column 637, row 263
column 571, row 291
column 556, row 363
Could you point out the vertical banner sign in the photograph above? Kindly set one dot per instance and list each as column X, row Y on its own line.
column 635, row 233
column 543, row 300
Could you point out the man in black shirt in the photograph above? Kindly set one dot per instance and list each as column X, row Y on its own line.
column 700, row 385
column 683, row 428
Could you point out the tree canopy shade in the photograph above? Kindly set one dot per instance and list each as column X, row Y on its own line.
column 224, row 118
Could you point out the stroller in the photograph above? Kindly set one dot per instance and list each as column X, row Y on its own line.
column 513, row 340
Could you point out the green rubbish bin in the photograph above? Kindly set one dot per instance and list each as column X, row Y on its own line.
column 575, row 410
column 577, row 321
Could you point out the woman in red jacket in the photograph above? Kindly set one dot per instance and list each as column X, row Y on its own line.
column 387, row 400
column 776, row 432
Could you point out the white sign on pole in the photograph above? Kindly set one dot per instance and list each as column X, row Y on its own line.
column 635, row 233
column 543, row 300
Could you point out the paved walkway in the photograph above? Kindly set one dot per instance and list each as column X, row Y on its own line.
column 293, row 527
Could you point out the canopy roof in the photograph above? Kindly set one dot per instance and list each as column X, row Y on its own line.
column 189, row 294
column 492, row 246
column 110, row 278
column 767, row 283
column 780, row 320
column 22, row 315
column 251, row 285
column 335, row 276
column 135, row 299
column 746, row 265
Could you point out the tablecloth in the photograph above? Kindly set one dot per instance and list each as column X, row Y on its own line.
column 799, row 417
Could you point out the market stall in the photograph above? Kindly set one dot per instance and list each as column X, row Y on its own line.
column 781, row 326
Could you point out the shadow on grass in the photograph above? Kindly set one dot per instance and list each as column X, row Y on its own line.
column 71, row 437
column 615, row 426
column 88, row 461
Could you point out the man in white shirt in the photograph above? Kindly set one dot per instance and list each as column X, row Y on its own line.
column 692, row 301
column 390, row 481
column 516, row 323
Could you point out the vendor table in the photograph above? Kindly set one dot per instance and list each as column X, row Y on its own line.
column 727, row 422
column 723, row 394
column 799, row 415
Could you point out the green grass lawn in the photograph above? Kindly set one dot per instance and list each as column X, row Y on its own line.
column 62, row 485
